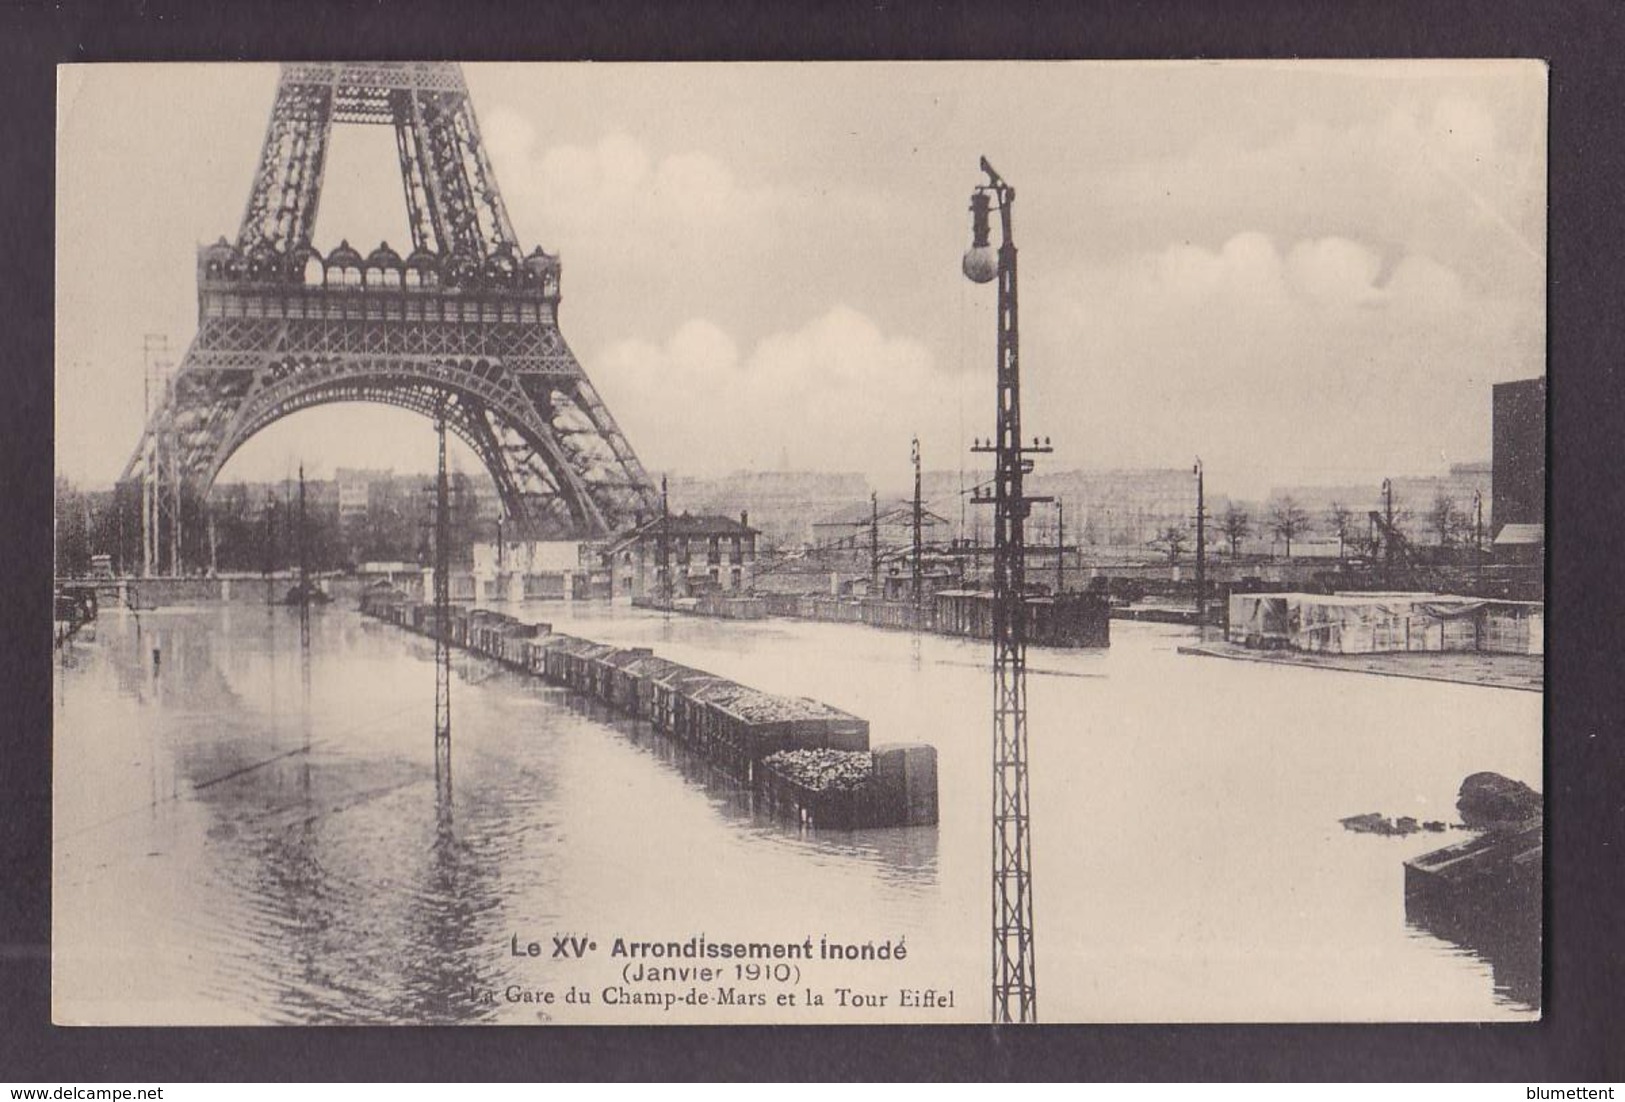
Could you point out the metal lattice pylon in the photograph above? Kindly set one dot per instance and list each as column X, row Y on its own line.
column 463, row 323
column 1015, row 983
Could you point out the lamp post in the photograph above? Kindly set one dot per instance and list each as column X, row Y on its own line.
column 1015, row 997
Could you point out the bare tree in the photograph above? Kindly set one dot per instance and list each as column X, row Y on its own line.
column 1461, row 524
column 1287, row 520
column 1172, row 540
column 1443, row 518
column 1236, row 526
column 1340, row 518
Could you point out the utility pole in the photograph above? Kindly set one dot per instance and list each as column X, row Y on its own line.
column 1060, row 547
column 874, row 543
column 664, row 566
column 1388, row 530
column 304, row 542
column 1478, row 536
column 174, row 506
column 154, row 348
column 442, row 602
column 304, row 564
column 1201, row 553
column 1015, row 994
column 918, row 519
column 270, row 544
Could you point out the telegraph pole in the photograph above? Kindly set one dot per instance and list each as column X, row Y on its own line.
column 1388, row 530
column 154, row 348
column 270, row 544
column 1060, row 548
column 304, row 539
column 918, row 518
column 174, row 506
column 1015, row 995
column 874, row 543
column 1201, row 553
column 1478, row 536
column 442, row 602
column 304, row 564
column 665, row 547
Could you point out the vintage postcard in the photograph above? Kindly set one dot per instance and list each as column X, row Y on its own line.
column 579, row 544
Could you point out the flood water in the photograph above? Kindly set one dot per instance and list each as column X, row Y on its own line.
column 253, row 831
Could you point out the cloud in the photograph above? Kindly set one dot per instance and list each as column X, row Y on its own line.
column 1433, row 177
column 1309, row 264
column 1334, row 271
column 836, row 393
column 508, row 135
column 614, row 194
column 1301, row 360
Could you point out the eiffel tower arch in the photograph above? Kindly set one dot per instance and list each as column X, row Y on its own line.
column 464, row 322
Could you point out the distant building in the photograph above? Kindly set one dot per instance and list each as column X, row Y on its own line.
column 850, row 527
column 408, row 577
column 782, row 504
column 355, row 490
column 684, row 555
column 1123, row 508
column 1519, row 458
column 526, row 569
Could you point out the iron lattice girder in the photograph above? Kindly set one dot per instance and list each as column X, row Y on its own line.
column 452, row 200
column 549, row 440
column 464, row 320
column 559, row 441
column 246, row 342
column 355, row 82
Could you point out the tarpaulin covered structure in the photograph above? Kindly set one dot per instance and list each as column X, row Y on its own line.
column 1261, row 619
column 1370, row 623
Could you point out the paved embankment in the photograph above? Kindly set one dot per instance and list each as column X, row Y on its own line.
column 1500, row 671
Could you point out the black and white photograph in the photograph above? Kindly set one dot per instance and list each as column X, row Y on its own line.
column 581, row 544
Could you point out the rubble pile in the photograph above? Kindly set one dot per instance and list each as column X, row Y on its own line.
column 824, row 770
column 1489, row 801
column 760, row 707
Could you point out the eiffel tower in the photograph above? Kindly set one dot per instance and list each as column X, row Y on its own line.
column 464, row 322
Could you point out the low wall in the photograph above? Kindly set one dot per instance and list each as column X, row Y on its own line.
column 1072, row 620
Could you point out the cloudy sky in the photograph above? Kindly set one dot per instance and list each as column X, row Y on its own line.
column 1300, row 272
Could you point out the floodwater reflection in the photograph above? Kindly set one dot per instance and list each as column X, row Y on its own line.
column 253, row 830
column 321, row 863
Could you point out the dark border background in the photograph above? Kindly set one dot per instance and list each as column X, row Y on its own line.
column 1582, row 1036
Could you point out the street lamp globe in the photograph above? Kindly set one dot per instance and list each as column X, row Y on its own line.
column 981, row 264
column 981, row 261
